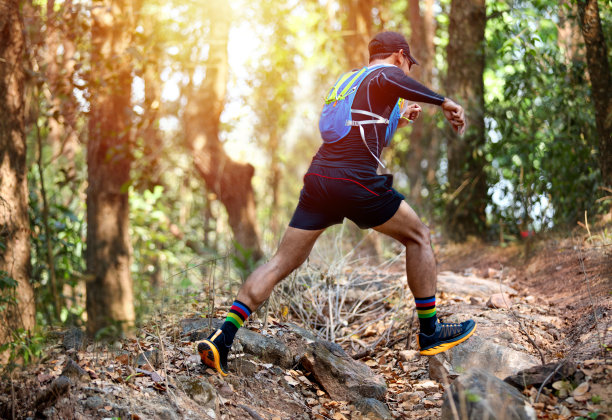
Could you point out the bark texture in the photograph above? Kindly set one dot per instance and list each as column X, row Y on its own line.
column 465, row 208
column 109, row 284
column 230, row 181
column 359, row 31
column 14, row 222
column 601, row 81
column 424, row 145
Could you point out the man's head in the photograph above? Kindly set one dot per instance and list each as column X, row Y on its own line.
column 387, row 44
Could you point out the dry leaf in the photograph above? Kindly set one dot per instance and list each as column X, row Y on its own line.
column 291, row 381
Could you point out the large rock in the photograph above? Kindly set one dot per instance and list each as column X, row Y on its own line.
column 536, row 375
column 479, row 395
column 266, row 348
column 456, row 284
column 478, row 352
column 341, row 376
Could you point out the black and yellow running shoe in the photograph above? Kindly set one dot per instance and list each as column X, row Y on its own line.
column 213, row 352
column 447, row 335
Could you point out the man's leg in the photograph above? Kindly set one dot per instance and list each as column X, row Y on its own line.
column 406, row 227
column 292, row 252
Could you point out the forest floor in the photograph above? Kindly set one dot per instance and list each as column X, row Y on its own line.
column 566, row 282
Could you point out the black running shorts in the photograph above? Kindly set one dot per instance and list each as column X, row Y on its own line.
column 331, row 194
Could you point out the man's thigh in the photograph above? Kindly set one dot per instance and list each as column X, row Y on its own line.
column 404, row 225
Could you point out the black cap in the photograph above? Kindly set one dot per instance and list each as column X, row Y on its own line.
column 387, row 43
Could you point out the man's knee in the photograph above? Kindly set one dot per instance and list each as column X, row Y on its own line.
column 419, row 235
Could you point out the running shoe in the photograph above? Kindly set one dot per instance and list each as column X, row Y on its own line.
column 213, row 352
column 447, row 335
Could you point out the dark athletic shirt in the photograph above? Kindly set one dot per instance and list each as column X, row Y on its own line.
column 378, row 93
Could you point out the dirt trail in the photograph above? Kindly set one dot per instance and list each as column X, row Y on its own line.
column 562, row 300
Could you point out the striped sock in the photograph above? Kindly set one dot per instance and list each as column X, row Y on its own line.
column 236, row 316
column 426, row 309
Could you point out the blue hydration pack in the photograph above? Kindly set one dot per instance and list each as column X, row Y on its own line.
column 336, row 118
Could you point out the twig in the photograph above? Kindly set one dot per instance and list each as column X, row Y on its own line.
column 548, row 378
column 252, row 412
column 518, row 321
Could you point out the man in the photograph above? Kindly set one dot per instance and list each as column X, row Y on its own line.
column 342, row 181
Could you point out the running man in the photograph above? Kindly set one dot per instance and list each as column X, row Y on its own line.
column 342, row 181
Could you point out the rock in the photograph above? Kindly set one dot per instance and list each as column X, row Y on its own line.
column 74, row 338
column 198, row 389
column 265, row 348
column 478, row 395
column 342, row 377
column 456, row 284
column 408, row 355
column 150, row 357
column 74, row 371
column 478, row 352
column 373, row 409
column 57, row 389
column 499, row 300
column 536, row 375
column 94, row 402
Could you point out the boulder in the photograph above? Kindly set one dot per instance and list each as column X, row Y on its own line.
column 478, row 394
column 478, row 352
column 265, row 348
column 342, row 377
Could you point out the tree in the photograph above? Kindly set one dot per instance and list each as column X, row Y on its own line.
column 424, row 144
column 229, row 180
column 17, row 307
column 465, row 205
column 109, row 286
column 601, row 81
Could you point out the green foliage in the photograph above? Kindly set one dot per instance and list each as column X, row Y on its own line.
column 23, row 347
column 542, row 146
column 67, row 236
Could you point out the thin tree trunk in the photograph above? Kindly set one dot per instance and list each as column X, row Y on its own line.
column 14, row 223
column 359, row 31
column 601, row 82
column 422, row 141
column 465, row 208
column 229, row 180
column 109, row 286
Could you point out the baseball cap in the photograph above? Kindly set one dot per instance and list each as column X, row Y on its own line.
column 387, row 43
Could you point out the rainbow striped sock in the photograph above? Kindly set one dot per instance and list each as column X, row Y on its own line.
column 236, row 316
column 426, row 309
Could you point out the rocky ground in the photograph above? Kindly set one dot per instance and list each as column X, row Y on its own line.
column 546, row 309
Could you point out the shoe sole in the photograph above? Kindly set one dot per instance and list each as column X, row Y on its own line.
column 210, row 356
column 442, row 347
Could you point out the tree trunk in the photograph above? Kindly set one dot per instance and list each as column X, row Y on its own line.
column 423, row 145
column 109, row 284
column 229, row 180
column 465, row 207
column 59, row 71
column 359, row 31
column 601, row 82
column 14, row 223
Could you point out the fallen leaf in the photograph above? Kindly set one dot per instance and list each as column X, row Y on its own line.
column 580, row 389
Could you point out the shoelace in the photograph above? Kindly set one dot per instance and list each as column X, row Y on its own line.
column 449, row 330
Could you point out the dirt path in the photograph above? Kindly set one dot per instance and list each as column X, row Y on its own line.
column 560, row 310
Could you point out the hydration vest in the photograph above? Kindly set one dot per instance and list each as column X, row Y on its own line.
column 336, row 118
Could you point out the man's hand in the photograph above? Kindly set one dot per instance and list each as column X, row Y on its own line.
column 455, row 114
column 412, row 112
